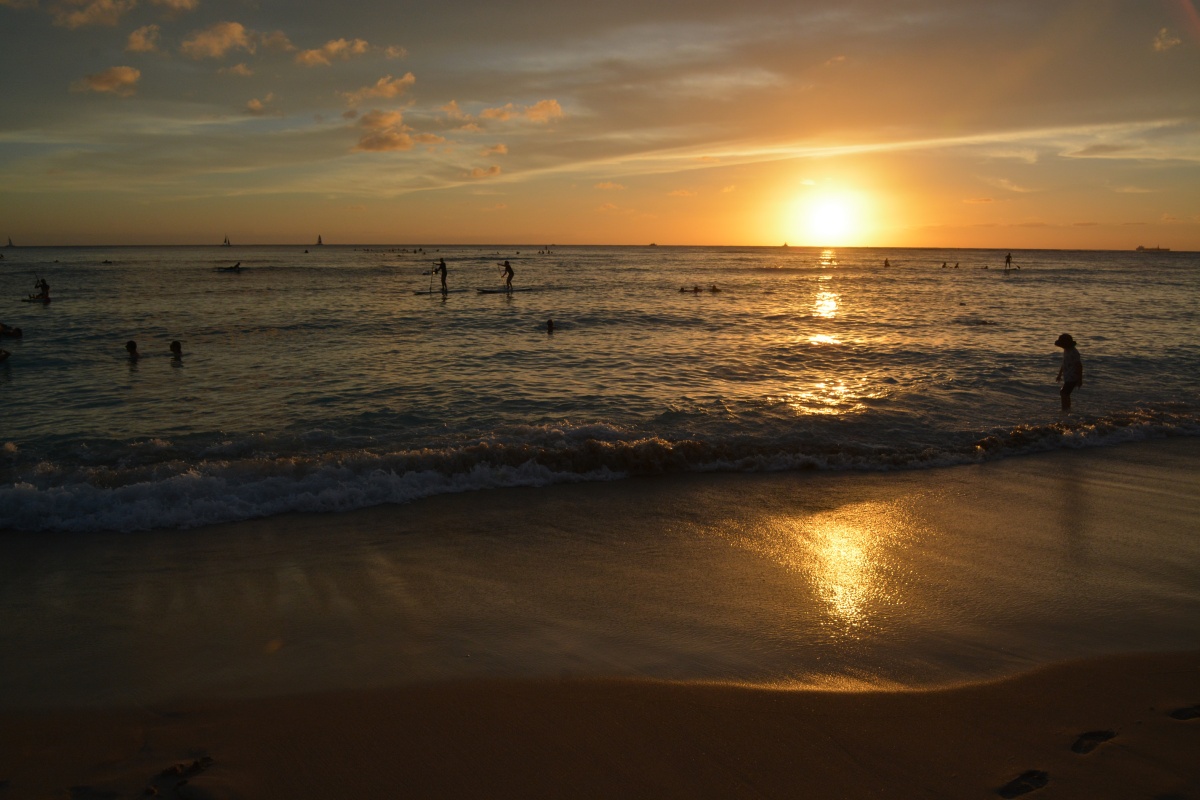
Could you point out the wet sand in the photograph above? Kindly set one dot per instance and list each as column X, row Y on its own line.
column 915, row 634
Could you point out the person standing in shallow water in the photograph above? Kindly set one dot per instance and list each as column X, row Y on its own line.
column 1071, row 371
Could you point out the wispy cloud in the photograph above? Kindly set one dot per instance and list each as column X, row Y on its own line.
column 495, row 150
column 394, row 51
column 608, row 186
column 340, row 49
column 241, row 70
column 259, row 107
column 178, row 5
column 277, row 42
column 541, row 111
column 384, row 131
column 978, row 200
column 1165, row 40
column 217, row 40
column 143, row 40
column 120, row 81
column 480, row 173
column 681, row 193
column 80, row 13
column 385, row 87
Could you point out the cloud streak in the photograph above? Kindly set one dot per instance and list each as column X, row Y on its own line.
column 334, row 49
column 218, row 40
column 81, row 13
column 121, row 81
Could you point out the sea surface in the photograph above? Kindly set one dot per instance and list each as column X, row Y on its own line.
column 331, row 378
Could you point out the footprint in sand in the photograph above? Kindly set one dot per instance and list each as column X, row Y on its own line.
column 1087, row 742
column 1191, row 712
column 1028, row 781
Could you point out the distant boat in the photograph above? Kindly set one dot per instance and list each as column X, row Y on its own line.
column 319, row 242
column 785, row 244
column 10, row 244
column 226, row 242
column 652, row 244
column 1140, row 249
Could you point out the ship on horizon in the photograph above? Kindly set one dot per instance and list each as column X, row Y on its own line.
column 1144, row 249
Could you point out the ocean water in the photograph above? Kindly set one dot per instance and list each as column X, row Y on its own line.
column 320, row 380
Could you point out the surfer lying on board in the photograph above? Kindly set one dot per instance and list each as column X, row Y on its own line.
column 508, row 275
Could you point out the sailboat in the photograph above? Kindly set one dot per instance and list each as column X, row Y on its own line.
column 319, row 242
column 10, row 244
column 226, row 242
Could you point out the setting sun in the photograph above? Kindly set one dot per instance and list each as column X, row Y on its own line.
column 829, row 220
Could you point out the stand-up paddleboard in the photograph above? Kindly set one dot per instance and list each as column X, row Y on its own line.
column 503, row 291
column 437, row 291
column 35, row 298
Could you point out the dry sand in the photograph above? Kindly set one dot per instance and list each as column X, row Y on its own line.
column 640, row 739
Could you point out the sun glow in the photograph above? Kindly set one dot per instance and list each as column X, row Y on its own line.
column 830, row 220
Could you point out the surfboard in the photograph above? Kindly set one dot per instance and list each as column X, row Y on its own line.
column 502, row 291
column 35, row 299
column 437, row 291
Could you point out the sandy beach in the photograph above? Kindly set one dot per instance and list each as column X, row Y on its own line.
column 934, row 633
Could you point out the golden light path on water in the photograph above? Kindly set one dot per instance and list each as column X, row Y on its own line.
column 850, row 560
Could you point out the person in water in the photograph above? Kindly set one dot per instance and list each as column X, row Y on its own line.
column 887, row 263
column 4, row 354
column 508, row 276
column 176, row 350
column 43, row 288
column 549, row 326
column 441, row 267
column 13, row 333
column 1008, row 261
column 131, row 348
column 1071, row 371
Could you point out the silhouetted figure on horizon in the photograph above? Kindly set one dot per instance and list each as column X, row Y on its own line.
column 508, row 276
column 131, row 348
column 1071, row 371
column 549, row 326
column 176, row 350
column 441, row 268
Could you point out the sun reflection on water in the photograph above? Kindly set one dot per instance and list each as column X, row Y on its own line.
column 851, row 559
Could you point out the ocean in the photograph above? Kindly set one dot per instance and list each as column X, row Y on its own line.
column 319, row 379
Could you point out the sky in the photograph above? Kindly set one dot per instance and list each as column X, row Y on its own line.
column 879, row 123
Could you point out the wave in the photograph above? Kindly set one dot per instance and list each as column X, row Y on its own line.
column 160, row 484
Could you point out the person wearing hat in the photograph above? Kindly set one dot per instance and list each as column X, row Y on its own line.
column 1071, row 371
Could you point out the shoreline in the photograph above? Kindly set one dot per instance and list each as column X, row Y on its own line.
column 1097, row 728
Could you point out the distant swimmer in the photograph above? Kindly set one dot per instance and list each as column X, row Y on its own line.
column 1071, row 371
column 176, row 350
column 713, row 289
column 549, row 326
column 695, row 290
column 956, row 265
column 441, row 268
column 508, row 276
column 887, row 263
column 235, row 268
column 131, row 348
column 943, row 265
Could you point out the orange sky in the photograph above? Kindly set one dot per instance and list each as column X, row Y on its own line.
column 972, row 124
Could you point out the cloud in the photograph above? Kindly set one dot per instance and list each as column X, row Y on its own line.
column 541, row 111
column 386, row 86
column 497, row 207
column 608, row 185
column 277, row 42
column 495, row 150
column 1165, row 40
column 257, row 106
column 143, row 40
column 79, row 13
column 453, row 111
column 217, row 40
column 395, row 51
column 114, row 80
column 324, row 55
column 237, row 69
column 978, row 200
column 1131, row 190
column 1008, row 186
column 1101, row 150
column 429, row 138
column 178, row 5
column 835, row 61
column 727, row 189
column 385, row 132
column 480, row 173
column 681, row 193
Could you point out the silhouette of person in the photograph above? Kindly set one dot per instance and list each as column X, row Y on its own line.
column 1071, row 371
column 508, row 276
column 42, row 287
column 549, row 326
column 1008, row 261
column 176, row 350
column 131, row 348
column 4, row 354
column 887, row 263
column 441, row 267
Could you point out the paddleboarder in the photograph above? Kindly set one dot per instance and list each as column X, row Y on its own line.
column 508, row 276
column 441, row 268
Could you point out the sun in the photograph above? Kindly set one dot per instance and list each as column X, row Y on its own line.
column 829, row 220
